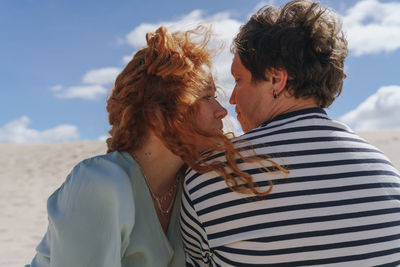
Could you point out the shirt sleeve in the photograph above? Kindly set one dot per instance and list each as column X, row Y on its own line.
column 91, row 217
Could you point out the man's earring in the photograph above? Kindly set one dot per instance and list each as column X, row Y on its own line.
column 274, row 93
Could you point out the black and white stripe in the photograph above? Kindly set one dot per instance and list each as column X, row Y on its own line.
column 339, row 206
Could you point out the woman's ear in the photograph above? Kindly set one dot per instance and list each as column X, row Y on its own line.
column 278, row 79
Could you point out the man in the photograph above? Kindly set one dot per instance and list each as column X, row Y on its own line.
column 337, row 203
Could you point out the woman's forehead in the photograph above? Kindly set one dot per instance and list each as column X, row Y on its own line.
column 210, row 86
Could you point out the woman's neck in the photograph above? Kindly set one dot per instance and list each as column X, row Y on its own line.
column 159, row 164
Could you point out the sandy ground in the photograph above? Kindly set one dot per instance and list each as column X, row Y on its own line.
column 30, row 173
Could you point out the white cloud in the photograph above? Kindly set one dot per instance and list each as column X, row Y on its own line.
column 137, row 37
column 224, row 26
column 95, row 83
column 379, row 111
column 372, row 27
column 18, row 132
column 126, row 59
column 89, row 92
column 104, row 76
column 56, row 88
column 262, row 4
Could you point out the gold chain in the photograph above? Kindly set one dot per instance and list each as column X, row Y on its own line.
column 171, row 191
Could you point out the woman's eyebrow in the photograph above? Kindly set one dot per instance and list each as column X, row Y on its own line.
column 211, row 89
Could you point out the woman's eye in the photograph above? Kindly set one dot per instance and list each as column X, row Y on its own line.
column 210, row 97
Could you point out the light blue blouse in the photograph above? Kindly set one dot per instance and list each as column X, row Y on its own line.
column 103, row 215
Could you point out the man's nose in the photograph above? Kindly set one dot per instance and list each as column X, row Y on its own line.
column 233, row 96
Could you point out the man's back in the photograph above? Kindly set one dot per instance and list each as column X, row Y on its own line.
column 339, row 205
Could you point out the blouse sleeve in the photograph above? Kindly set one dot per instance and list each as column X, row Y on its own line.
column 91, row 217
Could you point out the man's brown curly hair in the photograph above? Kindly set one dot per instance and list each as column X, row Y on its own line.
column 304, row 39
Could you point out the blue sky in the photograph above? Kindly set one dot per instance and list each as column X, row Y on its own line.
column 59, row 59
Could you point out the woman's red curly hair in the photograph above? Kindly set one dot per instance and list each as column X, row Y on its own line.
column 157, row 92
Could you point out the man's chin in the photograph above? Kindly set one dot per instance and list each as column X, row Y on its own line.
column 245, row 127
column 242, row 124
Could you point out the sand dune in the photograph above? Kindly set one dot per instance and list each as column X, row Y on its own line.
column 30, row 173
column 387, row 141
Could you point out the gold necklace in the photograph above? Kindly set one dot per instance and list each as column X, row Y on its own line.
column 171, row 191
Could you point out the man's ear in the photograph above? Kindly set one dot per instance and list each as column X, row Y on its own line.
column 278, row 79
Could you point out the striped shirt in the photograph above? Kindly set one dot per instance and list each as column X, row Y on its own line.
column 338, row 206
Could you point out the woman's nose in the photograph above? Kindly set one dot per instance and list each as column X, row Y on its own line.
column 220, row 111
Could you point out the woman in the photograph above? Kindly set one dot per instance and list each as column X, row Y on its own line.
column 120, row 209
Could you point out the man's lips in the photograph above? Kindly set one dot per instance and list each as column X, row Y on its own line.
column 237, row 113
